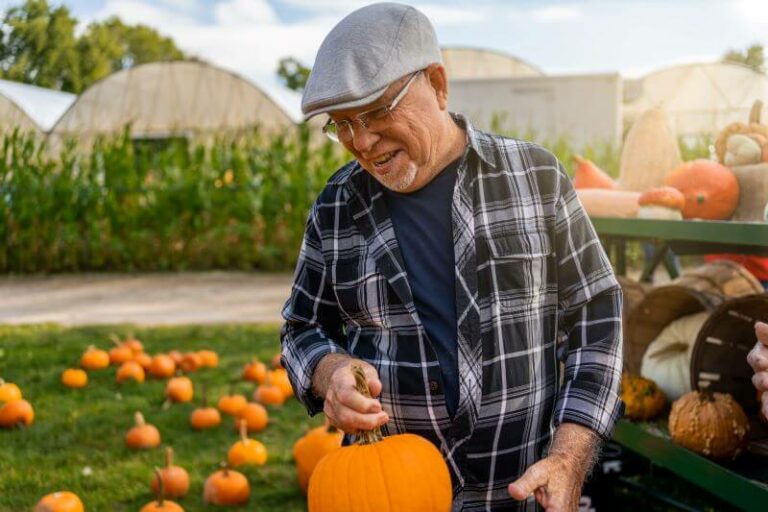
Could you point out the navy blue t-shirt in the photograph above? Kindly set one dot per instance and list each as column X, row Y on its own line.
column 422, row 222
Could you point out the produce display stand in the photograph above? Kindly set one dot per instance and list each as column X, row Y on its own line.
column 743, row 483
column 682, row 237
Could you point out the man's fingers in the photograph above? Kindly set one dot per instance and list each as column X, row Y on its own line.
column 761, row 331
column 760, row 380
column 353, row 399
column 352, row 422
column 758, row 357
column 536, row 476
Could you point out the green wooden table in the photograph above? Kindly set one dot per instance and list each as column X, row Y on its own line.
column 743, row 482
column 680, row 236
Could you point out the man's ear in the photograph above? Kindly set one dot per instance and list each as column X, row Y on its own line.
column 438, row 80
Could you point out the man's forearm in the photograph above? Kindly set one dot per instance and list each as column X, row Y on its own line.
column 323, row 371
column 579, row 445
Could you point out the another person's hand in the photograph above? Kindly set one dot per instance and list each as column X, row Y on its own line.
column 555, row 482
column 345, row 407
column 758, row 360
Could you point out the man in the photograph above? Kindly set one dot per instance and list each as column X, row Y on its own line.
column 461, row 269
column 758, row 360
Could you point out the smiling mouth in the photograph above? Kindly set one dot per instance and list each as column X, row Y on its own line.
column 385, row 158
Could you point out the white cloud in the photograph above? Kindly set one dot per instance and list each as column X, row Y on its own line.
column 444, row 15
column 244, row 12
column 556, row 13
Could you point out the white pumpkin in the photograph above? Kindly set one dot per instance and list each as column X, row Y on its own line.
column 667, row 360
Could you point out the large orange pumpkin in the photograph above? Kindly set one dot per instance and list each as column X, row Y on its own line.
column 711, row 190
column 403, row 473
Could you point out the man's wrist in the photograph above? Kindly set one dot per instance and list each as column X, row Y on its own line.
column 325, row 368
column 577, row 445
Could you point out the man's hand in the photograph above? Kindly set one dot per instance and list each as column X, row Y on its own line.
column 345, row 407
column 758, row 360
column 556, row 480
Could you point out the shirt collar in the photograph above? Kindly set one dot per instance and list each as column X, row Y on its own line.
column 473, row 141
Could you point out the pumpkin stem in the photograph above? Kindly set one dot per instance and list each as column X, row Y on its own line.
column 706, row 395
column 115, row 339
column 168, row 457
column 754, row 113
column 243, row 431
column 160, row 487
column 138, row 418
column 224, row 469
column 361, row 384
column 578, row 158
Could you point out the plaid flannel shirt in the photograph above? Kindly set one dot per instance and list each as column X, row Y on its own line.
column 533, row 288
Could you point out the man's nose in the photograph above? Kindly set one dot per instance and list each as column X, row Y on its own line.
column 363, row 139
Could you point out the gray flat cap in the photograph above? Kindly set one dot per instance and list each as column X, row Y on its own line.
column 364, row 53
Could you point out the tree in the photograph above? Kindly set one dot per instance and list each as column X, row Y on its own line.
column 38, row 46
column 111, row 46
column 293, row 73
column 752, row 57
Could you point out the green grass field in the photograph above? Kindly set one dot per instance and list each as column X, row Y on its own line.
column 75, row 429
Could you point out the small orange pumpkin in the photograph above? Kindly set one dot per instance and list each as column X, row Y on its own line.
column 232, row 404
column 172, row 481
column 144, row 360
column 74, row 378
column 311, row 448
column 191, row 362
column 226, row 487
column 204, row 417
column 9, row 392
column 161, row 505
column 179, row 389
column 94, row 359
column 176, row 356
column 16, row 413
column 62, row 501
column 269, row 394
column 130, row 370
column 255, row 371
column 276, row 362
column 120, row 354
column 246, row 451
column 280, row 379
column 254, row 416
column 711, row 190
column 209, row 357
column 642, row 398
column 142, row 435
column 162, row 366
column 131, row 343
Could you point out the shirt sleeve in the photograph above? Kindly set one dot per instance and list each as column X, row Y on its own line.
column 313, row 325
column 589, row 320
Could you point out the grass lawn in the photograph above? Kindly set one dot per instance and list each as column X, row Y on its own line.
column 75, row 429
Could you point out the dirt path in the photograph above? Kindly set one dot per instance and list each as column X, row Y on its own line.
column 144, row 299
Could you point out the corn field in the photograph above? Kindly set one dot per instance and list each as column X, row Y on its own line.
column 128, row 205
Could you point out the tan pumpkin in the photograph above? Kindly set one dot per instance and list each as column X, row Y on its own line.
column 179, row 389
column 711, row 190
column 173, row 479
column 246, row 451
column 589, row 175
column 61, row 501
column 650, row 151
column 254, row 416
column 311, row 448
column 162, row 504
column 711, row 424
column 752, row 128
column 643, row 400
column 18, row 413
column 94, row 359
column 74, row 378
column 226, row 487
column 408, row 475
column 130, row 370
column 205, row 417
column 142, row 435
column 9, row 391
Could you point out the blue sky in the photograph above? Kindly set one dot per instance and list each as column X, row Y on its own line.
column 631, row 37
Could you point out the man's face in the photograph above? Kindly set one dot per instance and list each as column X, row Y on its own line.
column 402, row 147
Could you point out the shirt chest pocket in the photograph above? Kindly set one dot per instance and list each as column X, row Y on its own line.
column 363, row 298
column 517, row 266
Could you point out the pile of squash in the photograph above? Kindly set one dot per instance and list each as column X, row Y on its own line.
column 655, row 183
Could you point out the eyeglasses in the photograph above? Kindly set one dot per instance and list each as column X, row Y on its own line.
column 342, row 131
